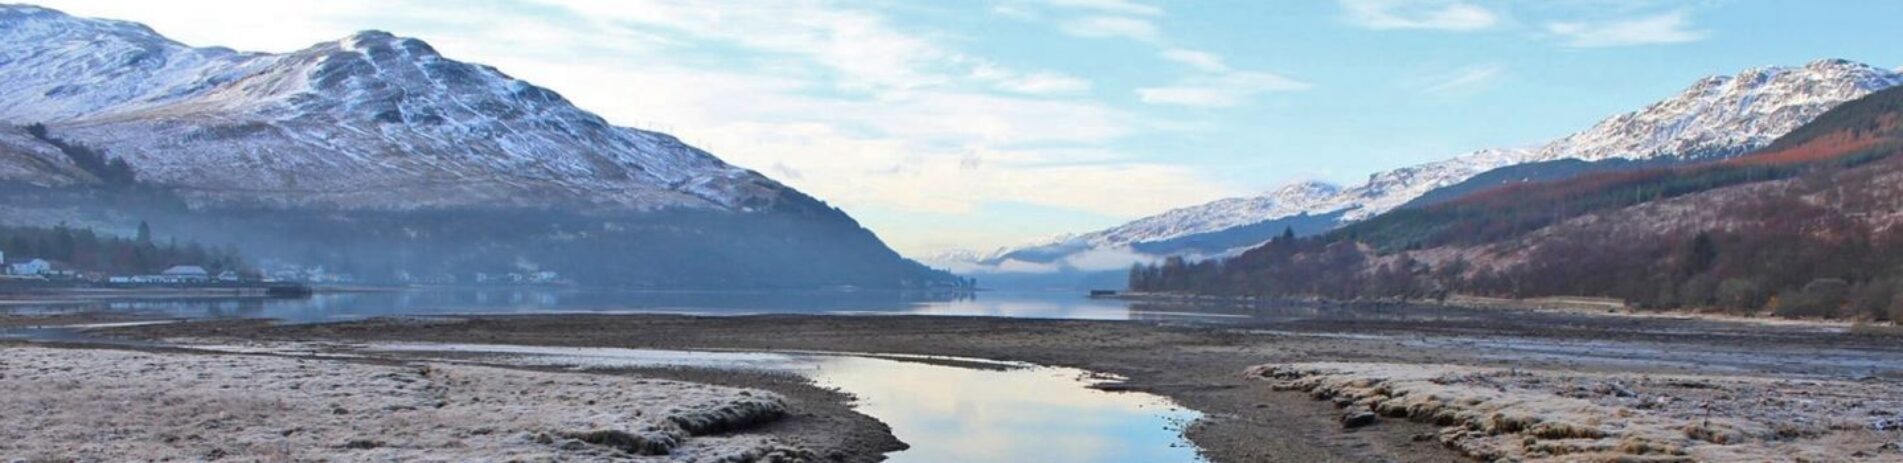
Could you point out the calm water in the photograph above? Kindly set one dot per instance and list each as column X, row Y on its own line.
column 348, row 306
column 1038, row 414
column 947, row 414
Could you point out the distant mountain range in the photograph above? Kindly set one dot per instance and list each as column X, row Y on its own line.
column 1717, row 117
column 1804, row 226
column 377, row 128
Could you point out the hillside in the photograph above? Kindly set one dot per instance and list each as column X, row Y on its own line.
column 1805, row 226
column 1716, row 117
column 347, row 151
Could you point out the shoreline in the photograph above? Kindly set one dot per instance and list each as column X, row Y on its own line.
column 1558, row 305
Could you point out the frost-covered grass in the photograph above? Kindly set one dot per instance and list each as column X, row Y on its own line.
column 1522, row 415
column 111, row 405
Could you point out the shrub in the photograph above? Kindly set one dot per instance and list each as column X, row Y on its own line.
column 1742, row 294
column 1822, row 297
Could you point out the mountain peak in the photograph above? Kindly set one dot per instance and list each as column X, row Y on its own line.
column 1306, row 188
column 373, row 41
column 35, row 23
column 1827, row 63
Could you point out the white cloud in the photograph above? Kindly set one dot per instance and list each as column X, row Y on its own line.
column 1219, row 91
column 1018, row 266
column 1419, row 14
column 1097, row 260
column 1092, row 260
column 1032, row 83
column 1111, row 27
column 1201, row 60
column 1013, row 11
column 1045, row 83
column 1463, row 80
column 1672, row 27
column 1112, row 6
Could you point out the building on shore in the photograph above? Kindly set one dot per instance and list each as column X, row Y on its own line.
column 186, row 274
column 42, row 268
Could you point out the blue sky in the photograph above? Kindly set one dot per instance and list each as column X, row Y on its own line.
column 981, row 123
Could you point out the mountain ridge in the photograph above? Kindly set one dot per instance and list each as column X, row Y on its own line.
column 1717, row 116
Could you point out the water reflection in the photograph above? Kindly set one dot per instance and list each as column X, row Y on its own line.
column 1036, row 414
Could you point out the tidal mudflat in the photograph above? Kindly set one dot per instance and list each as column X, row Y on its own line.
column 1625, row 387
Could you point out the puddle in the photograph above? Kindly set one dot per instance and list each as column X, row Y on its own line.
column 1004, row 412
column 951, row 414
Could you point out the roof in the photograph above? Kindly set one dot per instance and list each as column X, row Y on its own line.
column 185, row 270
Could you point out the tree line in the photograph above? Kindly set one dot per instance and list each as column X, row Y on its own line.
column 89, row 250
column 112, row 171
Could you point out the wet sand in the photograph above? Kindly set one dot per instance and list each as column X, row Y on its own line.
column 1199, row 366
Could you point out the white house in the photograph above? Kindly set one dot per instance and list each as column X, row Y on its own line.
column 32, row 267
column 186, row 274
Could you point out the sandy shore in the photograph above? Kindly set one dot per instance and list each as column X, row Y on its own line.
column 1789, row 389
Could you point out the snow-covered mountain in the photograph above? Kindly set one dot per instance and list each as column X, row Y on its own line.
column 1717, row 116
column 369, row 121
column 376, row 152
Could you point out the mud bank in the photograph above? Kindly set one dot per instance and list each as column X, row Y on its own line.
column 1495, row 414
column 105, row 405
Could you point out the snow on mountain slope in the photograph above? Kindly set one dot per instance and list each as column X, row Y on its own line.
column 1723, row 115
column 1382, row 192
column 371, row 121
column 1719, row 115
column 1233, row 212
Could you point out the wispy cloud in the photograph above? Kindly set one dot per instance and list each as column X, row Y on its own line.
column 1213, row 84
column 1030, row 83
column 1112, row 27
column 1444, row 15
column 1013, row 11
column 1201, row 60
column 1110, row 6
column 1464, row 80
column 1219, row 90
column 1666, row 28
